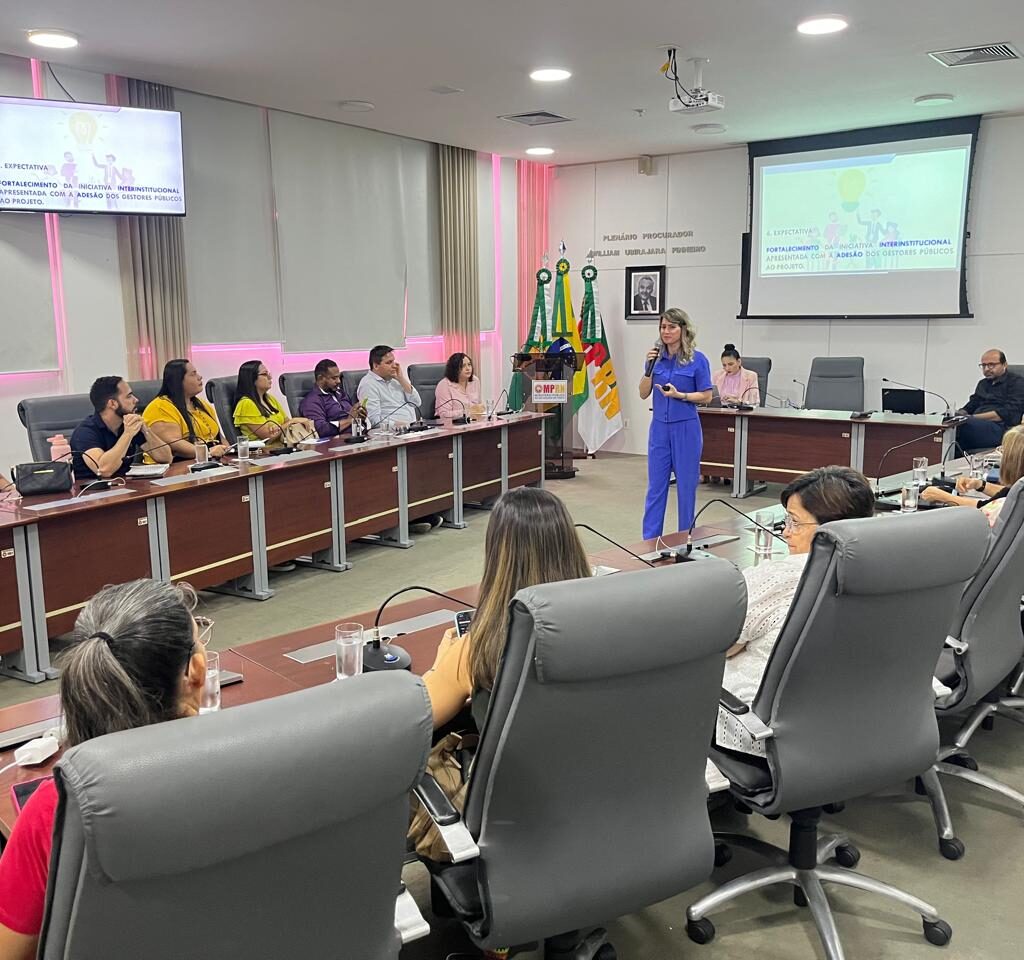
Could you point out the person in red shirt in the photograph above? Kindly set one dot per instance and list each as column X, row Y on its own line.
column 138, row 660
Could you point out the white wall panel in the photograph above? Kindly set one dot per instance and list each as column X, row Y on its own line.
column 630, row 204
column 997, row 193
column 572, row 214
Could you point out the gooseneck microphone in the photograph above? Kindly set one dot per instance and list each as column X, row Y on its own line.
column 725, row 503
column 906, row 443
column 803, row 391
column 741, row 404
column 460, row 421
column 387, row 656
column 899, row 383
column 614, row 543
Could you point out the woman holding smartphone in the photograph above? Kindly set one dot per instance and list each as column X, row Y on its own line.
column 679, row 376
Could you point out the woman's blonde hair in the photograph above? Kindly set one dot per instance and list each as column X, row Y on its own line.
column 1011, row 467
column 688, row 341
column 530, row 540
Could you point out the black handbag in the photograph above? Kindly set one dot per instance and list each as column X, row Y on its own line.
column 33, row 479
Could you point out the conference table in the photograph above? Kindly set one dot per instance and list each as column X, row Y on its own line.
column 223, row 528
column 777, row 444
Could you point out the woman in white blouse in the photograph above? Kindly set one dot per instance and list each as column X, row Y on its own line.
column 458, row 392
column 823, row 495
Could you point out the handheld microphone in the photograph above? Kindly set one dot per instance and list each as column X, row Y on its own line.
column 932, row 393
column 725, row 503
column 614, row 543
column 906, row 443
column 649, row 366
column 803, row 391
column 459, row 421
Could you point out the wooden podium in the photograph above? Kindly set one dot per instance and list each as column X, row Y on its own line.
column 542, row 373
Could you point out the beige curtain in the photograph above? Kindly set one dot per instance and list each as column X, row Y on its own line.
column 151, row 251
column 460, row 260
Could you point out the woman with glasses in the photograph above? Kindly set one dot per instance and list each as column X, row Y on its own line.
column 823, row 495
column 139, row 659
column 258, row 415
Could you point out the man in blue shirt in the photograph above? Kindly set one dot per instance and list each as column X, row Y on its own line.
column 388, row 395
column 326, row 405
column 106, row 443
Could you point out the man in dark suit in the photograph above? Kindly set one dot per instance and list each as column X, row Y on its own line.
column 644, row 300
column 996, row 404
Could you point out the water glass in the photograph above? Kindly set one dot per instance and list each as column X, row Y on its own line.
column 348, row 650
column 202, row 452
column 209, row 698
column 489, row 407
column 921, row 471
column 908, row 497
column 762, row 538
column 243, row 448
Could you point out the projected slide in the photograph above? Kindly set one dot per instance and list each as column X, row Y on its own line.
column 871, row 213
column 89, row 158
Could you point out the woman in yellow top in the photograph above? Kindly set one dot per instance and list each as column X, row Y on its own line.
column 179, row 417
column 530, row 540
column 258, row 415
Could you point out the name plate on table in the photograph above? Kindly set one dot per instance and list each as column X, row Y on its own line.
column 201, row 475
column 550, row 391
column 98, row 495
column 284, row 458
column 321, row 651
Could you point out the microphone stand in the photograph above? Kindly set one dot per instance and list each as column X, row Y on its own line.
column 906, row 443
column 689, row 533
column 949, row 408
column 614, row 543
column 457, row 421
column 803, row 392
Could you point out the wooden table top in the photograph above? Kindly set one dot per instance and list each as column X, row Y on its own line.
column 922, row 420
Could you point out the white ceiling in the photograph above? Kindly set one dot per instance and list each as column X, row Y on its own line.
column 305, row 55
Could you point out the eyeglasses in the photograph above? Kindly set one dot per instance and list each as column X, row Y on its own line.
column 998, row 363
column 791, row 523
column 205, row 625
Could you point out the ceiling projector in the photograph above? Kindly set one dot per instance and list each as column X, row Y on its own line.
column 701, row 101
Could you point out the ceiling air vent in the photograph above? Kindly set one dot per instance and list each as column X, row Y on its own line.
column 969, row 56
column 536, row 119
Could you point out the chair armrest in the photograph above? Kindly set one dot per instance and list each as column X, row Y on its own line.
column 958, row 647
column 409, row 921
column 456, row 836
column 753, row 724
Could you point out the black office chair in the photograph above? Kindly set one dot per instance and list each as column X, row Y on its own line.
column 45, row 417
column 220, row 391
column 295, row 386
column 846, row 705
column 572, row 815
column 146, row 391
column 762, row 366
column 425, row 378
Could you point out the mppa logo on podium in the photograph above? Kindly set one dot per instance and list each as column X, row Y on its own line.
column 550, row 391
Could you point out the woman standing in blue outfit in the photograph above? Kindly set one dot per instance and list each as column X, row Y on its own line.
column 679, row 379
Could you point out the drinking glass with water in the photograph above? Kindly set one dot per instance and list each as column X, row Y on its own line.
column 908, row 497
column 762, row 537
column 348, row 650
column 921, row 471
column 209, row 699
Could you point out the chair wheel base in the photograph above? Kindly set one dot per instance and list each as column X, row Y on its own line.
column 700, row 931
column 963, row 760
column 834, row 808
column 938, row 932
column 952, row 849
column 847, row 855
column 799, row 897
column 607, row 952
column 722, row 854
column 988, row 723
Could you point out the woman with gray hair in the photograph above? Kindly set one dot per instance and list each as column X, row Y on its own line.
column 679, row 375
column 137, row 660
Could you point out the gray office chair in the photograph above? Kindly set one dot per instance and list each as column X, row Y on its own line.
column 587, row 797
column 220, row 391
column 146, row 391
column 45, row 417
column 846, row 705
column 270, row 830
column 425, row 378
column 984, row 646
column 294, row 386
column 762, row 366
column 350, row 382
column 835, row 383
column 1017, row 368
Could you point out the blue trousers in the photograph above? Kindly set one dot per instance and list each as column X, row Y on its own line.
column 975, row 434
column 672, row 448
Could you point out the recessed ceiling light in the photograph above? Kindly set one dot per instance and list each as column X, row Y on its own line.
column 54, row 39
column 356, row 106
column 539, row 151
column 550, row 75
column 817, row 26
column 708, row 129
column 934, row 99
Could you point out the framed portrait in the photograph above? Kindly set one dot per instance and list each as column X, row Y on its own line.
column 645, row 292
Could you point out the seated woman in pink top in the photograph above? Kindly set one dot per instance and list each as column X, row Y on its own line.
column 734, row 384
column 458, row 392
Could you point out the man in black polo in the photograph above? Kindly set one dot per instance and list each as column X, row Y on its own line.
column 996, row 404
column 106, row 443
